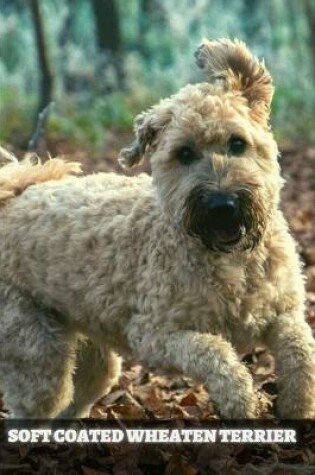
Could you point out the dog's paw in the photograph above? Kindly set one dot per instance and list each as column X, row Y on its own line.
column 241, row 406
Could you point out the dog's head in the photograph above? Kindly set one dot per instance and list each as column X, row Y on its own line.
column 213, row 157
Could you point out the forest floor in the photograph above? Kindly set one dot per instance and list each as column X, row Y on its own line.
column 149, row 398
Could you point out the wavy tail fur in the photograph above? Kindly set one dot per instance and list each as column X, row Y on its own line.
column 16, row 176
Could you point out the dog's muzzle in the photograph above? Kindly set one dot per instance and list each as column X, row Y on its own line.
column 223, row 214
column 223, row 221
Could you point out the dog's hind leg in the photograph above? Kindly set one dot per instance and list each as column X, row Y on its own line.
column 98, row 369
column 36, row 358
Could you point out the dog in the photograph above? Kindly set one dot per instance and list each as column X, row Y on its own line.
column 179, row 271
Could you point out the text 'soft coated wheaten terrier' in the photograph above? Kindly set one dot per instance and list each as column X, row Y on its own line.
column 178, row 272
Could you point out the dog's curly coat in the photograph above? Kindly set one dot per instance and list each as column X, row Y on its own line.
column 179, row 271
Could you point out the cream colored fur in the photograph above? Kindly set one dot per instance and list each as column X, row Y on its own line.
column 103, row 265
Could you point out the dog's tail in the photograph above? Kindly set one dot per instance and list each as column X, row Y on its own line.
column 16, row 176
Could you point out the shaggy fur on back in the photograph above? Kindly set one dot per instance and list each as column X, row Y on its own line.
column 103, row 266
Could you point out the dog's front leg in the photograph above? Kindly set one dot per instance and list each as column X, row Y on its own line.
column 207, row 358
column 290, row 338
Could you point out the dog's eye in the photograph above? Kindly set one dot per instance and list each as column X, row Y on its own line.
column 186, row 154
column 236, row 146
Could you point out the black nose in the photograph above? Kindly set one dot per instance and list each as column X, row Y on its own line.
column 223, row 209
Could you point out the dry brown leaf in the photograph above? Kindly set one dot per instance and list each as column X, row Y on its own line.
column 308, row 457
column 309, row 254
column 189, row 399
column 128, row 411
column 92, row 471
column 153, row 401
column 112, row 397
column 177, row 465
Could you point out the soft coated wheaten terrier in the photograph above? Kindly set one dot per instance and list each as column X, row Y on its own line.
column 178, row 271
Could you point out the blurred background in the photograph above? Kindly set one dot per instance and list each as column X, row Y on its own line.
column 103, row 61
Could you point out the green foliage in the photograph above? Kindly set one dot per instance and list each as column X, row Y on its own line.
column 86, row 124
column 159, row 39
column 15, row 114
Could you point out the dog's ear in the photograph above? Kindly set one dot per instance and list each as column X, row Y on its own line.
column 148, row 127
column 231, row 64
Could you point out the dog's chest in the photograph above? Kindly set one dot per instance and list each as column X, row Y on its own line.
column 230, row 295
column 233, row 300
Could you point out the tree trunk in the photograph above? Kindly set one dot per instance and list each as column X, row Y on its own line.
column 70, row 81
column 108, row 36
column 46, row 76
column 150, row 12
column 310, row 18
column 65, row 32
column 251, row 21
column 147, row 10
